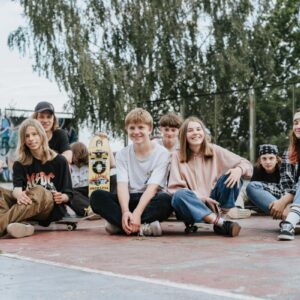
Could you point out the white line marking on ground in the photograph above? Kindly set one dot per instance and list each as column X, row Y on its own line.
column 190, row 287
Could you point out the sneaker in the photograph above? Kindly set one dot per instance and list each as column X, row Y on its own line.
column 228, row 228
column 297, row 228
column 112, row 229
column 287, row 232
column 90, row 215
column 19, row 230
column 152, row 229
column 238, row 213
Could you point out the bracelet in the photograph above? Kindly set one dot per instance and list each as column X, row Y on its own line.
column 241, row 169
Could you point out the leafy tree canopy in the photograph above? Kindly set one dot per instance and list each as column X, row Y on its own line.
column 180, row 55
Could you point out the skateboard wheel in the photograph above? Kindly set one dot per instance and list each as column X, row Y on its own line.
column 190, row 228
column 71, row 227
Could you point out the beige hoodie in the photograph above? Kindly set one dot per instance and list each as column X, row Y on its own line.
column 200, row 175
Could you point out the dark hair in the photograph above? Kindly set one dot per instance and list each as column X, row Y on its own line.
column 170, row 120
column 80, row 154
column 55, row 121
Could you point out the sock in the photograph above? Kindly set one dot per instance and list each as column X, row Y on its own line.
column 294, row 216
column 217, row 220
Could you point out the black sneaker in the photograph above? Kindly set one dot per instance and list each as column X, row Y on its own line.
column 228, row 228
column 287, row 232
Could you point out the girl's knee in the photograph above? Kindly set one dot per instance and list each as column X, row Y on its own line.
column 253, row 185
column 180, row 196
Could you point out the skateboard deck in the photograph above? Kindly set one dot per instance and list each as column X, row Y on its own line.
column 99, row 164
column 71, row 222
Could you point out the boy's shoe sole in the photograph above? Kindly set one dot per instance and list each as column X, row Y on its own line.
column 19, row 230
column 236, row 228
column 285, row 237
column 297, row 229
column 112, row 229
column 229, row 228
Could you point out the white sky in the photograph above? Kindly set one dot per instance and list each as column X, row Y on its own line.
column 20, row 87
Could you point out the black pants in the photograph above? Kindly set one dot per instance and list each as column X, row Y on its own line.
column 80, row 200
column 106, row 204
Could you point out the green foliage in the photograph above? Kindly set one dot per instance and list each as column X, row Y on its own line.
column 193, row 57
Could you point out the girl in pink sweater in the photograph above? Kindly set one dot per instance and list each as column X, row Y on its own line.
column 205, row 179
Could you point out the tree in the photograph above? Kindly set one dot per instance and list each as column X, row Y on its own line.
column 197, row 57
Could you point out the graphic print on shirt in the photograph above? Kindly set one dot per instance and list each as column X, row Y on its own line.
column 42, row 179
column 148, row 174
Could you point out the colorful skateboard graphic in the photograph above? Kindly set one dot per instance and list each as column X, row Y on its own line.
column 99, row 164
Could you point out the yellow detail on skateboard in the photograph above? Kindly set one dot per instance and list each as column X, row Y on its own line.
column 99, row 164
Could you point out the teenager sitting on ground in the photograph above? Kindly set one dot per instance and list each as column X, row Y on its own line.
column 265, row 189
column 169, row 125
column 205, row 177
column 140, row 204
column 80, row 178
column 57, row 138
column 41, row 180
column 291, row 171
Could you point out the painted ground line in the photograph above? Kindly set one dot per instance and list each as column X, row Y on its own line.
column 183, row 286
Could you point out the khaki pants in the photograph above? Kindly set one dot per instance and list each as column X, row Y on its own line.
column 39, row 210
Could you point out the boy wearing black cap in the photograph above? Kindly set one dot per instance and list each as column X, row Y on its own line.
column 57, row 138
column 265, row 189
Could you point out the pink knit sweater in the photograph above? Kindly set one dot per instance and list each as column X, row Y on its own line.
column 200, row 175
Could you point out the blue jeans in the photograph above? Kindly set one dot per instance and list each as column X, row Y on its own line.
column 190, row 209
column 258, row 196
column 296, row 201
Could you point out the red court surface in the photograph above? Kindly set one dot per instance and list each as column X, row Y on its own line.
column 253, row 264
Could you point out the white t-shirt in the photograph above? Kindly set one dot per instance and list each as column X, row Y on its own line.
column 174, row 148
column 138, row 173
column 80, row 176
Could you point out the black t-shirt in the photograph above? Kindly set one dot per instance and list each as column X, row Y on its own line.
column 53, row 175
column 259, row 174
column 59, row 141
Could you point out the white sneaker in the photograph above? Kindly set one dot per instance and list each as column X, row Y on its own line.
column 152, row 229
column 112, row 229
column 19, row 230
column 238, row 213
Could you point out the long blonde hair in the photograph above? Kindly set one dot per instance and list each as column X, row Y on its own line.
column 185, row 151
column 24, row 154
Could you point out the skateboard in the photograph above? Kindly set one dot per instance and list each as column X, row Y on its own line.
column 71, row 222
column 99, row 164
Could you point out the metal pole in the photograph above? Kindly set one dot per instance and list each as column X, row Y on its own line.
column 183, row 108
column 252, row 126
column 293, row 100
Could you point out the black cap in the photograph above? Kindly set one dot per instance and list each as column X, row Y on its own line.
column 43, row 106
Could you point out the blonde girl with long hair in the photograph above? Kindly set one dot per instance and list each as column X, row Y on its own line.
column 41, row 180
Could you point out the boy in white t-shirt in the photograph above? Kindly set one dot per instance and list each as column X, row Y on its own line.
column 140, row 204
